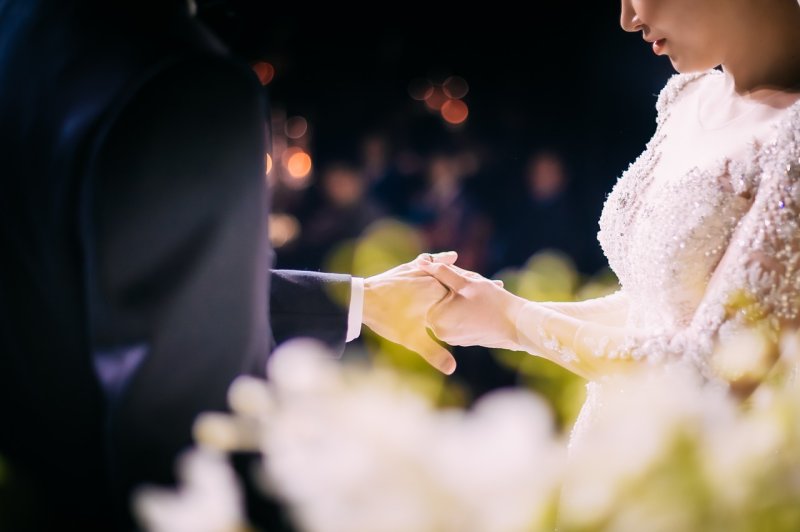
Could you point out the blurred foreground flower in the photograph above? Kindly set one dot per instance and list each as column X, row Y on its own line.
column 666, row 451
column 349, row 448
column 355, row 449
column 210, row 499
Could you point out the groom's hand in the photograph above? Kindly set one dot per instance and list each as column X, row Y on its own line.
column 396, row 303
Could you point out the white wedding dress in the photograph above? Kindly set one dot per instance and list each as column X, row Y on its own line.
column 703, row 232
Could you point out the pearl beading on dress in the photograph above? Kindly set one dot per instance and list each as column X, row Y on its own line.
column 666, row 242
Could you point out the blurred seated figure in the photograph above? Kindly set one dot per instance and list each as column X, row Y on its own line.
column 449, row 218
column 548, row 215
column 393, row 172
column 344, row 212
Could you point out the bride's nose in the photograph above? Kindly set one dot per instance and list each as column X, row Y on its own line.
column 628, row 18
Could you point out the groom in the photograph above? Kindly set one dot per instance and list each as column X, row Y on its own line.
column 136, row 282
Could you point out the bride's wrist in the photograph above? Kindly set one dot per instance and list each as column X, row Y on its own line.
column 514, row 311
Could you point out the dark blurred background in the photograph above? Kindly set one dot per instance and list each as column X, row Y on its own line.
column 488, row 131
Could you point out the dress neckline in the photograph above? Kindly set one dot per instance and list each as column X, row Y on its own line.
column 752, row 106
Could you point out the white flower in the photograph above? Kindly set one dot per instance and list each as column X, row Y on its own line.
column 303, row 366
column 209, row 499
column 501, row 462
column 364, row 451
column 640, row 420
column 251, row 397
column 355, row 449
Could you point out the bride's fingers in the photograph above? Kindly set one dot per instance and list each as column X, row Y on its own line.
column 467, row 273
column 445, row 257
column 445, row 274
column 474, row 275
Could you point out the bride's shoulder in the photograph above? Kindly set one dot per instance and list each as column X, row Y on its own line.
column 790, row 124
column 676, row 86
column 784, row 151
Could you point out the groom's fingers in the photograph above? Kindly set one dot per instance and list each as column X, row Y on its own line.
column 446, row 275
column 436, row 355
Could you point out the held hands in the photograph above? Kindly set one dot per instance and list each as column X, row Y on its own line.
column 461, row 308
column 475, row 310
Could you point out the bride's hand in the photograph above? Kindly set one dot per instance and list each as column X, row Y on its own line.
column 476, row 310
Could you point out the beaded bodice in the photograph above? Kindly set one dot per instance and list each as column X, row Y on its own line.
column 691, row 199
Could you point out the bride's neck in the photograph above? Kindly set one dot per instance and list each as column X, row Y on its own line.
column 766, row 52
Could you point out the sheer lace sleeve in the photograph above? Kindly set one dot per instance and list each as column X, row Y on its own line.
column 608, row 310
column 757, row 280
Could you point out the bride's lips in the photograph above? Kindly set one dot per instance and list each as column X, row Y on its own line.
column 658, row 46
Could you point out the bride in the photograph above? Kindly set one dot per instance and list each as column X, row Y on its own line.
column 702, row 230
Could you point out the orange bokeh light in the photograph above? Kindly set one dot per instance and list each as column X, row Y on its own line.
column 454, row 111
column 265, row 72
column 268, row 163
column 298, row 164
column 283, row 228
column 435, row 99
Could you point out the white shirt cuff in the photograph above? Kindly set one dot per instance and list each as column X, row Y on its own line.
column 356, row 313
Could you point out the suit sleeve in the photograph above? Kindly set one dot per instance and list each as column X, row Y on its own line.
column 309, row 304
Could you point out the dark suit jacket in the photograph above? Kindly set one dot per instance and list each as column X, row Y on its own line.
column 136, row 273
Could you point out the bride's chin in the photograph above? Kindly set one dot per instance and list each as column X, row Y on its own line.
column 686, row 66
